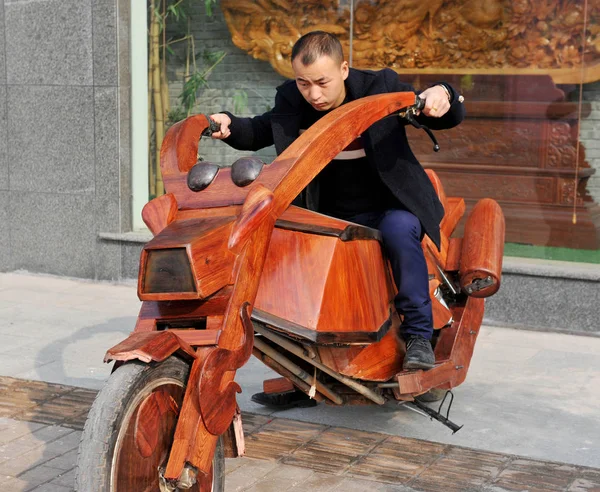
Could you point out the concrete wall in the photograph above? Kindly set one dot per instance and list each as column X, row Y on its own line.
column 64, row 135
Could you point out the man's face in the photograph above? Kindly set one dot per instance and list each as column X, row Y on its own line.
column 321, row 83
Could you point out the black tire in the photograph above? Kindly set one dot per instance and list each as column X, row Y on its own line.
column 107, row 425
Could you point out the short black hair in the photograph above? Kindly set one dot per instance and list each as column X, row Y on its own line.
column 315, row 44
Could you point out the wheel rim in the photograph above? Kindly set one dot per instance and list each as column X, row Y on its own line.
column 146, row 436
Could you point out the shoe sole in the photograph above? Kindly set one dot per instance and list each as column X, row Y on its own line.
column 417, row 365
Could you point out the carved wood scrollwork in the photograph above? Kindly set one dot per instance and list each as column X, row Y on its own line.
column 431, row 36
column 562, row 152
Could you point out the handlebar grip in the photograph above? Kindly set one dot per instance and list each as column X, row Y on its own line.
column 419, row 103
column 213, row 127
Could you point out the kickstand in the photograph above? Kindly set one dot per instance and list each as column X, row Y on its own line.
column 437, row 415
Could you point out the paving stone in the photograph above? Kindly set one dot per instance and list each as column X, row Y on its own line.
column 308, row 455
column 37, row 476
column 52, row 487
column 38, row 452
column 354, row 485
column 247, row 475
column 320, row 482
column 280, row 478
column 16, row 429
column 66, row 479
column 63, row 462
column 14, row 484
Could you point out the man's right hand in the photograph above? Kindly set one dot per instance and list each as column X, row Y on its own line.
column 224, row 121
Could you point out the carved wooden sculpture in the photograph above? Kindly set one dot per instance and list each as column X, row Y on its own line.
column 431, row 36
column 234, row 270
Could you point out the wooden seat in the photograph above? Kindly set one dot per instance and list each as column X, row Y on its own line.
column 303, row 220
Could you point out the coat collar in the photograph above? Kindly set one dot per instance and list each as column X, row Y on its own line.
column 358, row 83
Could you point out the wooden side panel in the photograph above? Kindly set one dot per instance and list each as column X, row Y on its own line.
column 357, row 272
column 294, row 276
column 379, row 361
column 454, row 210
column 212, row 261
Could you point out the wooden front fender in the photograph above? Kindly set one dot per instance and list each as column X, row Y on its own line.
column 157, row 346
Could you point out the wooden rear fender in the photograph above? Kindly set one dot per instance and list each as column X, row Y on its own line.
column 156, row 346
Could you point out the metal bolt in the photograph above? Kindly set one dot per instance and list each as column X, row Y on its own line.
column 459, row 367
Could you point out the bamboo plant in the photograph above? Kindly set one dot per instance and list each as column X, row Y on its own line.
column 166, row 18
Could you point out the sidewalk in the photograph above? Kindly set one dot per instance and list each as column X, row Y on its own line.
column 529, row 394
column 38, row 447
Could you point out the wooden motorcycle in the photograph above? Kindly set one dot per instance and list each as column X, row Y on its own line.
column 234, row 270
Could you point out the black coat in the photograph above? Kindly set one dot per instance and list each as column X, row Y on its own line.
column 386, row 145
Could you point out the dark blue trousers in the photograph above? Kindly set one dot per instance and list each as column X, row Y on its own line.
column 402, row 235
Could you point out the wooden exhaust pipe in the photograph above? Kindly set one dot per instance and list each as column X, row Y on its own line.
column 482, row 250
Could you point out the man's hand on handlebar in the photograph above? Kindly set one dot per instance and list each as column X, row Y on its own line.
column 224, row 121
column 436, row 101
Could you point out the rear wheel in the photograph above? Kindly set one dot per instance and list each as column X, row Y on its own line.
column 129, row 430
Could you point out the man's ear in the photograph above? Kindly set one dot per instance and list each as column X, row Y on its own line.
column 345, row 70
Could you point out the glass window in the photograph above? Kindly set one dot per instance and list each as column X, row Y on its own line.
column 529, row 72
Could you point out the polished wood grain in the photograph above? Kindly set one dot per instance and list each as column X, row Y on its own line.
column 147, row 439
column 152, row 346
column 483, row 248
column 375, row 362
column 277, row 385
column 159, row 212
column 190, row 429
column 257, row 207
column 205, row 243
column 194, row 310
column 307, row 221
column 151, row 412
column 303, row 270
column 454, row 211
column 454, row 253
column 198, row 338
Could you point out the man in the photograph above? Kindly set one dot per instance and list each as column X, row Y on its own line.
column 381, row 185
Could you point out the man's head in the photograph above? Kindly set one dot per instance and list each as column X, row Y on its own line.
column 320, row 70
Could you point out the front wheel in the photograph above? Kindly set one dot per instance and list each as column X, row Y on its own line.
column 129, row 431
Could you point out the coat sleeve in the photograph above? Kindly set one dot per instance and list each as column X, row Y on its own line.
column 250, row 133
column 453, row 117
column 254, row 133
